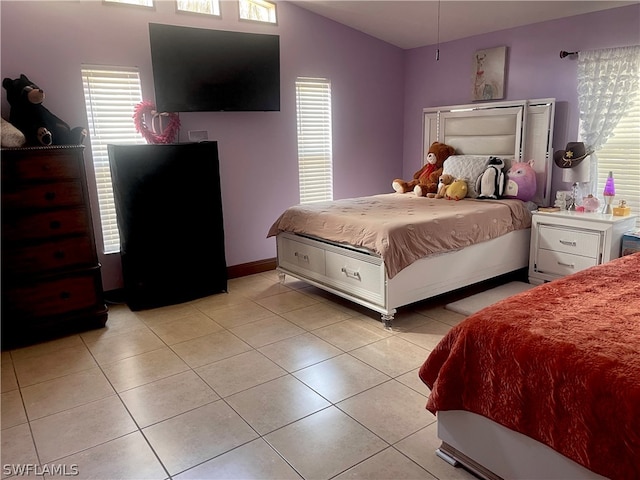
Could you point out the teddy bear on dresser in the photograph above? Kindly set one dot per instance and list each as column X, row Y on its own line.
column 39, row 125
column 426, row 179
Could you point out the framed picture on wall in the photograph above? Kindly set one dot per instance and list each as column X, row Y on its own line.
column 488, row 73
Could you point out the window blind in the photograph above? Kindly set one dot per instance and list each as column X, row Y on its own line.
column 110, row 93
column 621, row 155
column 313, row 106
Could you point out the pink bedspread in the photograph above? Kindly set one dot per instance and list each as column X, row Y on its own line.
column 559, row 363
column 404, row 228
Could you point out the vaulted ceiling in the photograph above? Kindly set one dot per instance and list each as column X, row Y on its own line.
column 410, row 24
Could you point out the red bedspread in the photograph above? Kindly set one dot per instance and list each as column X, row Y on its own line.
column 559, row 363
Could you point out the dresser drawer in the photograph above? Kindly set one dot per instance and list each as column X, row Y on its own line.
column 48, row 195
column 52, row 297
column 300, row 257
column 55, row 164
column 358, row 277
column 49, row 256
column 577, row 242
column 559, row 263
column 42, row 225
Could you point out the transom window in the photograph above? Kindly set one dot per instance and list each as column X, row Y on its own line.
column 206, row 7
column 258, row 10
column 139, row 3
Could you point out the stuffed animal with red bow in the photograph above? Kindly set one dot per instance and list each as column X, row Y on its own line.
column 425, row 180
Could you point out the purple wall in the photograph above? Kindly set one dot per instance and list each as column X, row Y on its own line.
column 534, row 70
column 378, row 91
column 49, row 40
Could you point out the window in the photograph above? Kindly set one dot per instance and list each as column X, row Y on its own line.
column 110, row 93
column 258, row 10
column 313, row 106
column 139, row 3
column 207, row 7
column 621, row 155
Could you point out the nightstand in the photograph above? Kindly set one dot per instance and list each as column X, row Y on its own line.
column 566, row 242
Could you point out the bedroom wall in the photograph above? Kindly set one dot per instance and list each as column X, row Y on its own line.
column 49, row 40
column 534, row 70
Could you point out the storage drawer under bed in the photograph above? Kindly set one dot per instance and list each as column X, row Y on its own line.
column 351, row 272
column 356, row 276
column 300, row 257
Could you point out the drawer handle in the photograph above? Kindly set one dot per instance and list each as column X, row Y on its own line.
column 302, row 256
column 568, row 243
column 59, row 254
column 65, row 295
column 351, row 273
column 50, row 196
column 570, row 265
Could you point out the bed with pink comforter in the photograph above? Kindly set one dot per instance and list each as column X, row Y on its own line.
column 404, row 228
column 559, row 363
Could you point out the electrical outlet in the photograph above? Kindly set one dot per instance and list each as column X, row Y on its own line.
column 198, row 135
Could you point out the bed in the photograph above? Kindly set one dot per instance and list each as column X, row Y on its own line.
column 546, row 383
column 312, row 246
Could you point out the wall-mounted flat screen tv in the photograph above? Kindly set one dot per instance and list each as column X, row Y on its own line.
column 203, row 70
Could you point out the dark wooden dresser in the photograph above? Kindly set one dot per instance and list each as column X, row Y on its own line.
column 51, row 283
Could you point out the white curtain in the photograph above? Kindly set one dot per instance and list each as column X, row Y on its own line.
column 605, row 80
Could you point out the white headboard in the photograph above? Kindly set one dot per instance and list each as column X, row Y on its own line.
column 521, row 130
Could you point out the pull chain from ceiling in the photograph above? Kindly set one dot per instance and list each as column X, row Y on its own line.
column 438, row 35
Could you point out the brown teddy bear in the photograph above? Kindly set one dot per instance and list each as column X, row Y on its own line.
column 443, row 182
column 425, row 180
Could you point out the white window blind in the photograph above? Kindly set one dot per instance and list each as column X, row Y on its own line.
column 313, row 106
column 110, row 93
column 621, row 155
column 258, row 10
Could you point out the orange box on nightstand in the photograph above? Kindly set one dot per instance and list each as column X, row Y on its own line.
column 621, row 211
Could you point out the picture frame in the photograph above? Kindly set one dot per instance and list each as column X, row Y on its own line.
column 489, row 67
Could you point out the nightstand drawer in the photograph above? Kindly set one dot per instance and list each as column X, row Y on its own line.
column 567, row 240
column 558, row 263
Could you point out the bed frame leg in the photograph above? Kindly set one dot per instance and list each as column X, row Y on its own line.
column 388, row 321
column 281, row 277
column 447, row 458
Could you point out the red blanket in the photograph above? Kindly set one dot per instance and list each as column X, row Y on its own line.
column 559, row 363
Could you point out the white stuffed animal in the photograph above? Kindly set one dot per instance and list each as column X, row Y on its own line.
column 490, row 184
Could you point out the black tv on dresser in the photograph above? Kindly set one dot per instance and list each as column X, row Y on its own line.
column 169, row 213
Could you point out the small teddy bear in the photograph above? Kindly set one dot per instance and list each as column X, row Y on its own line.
column 443, row 182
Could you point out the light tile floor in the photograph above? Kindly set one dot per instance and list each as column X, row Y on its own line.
column 268, row 381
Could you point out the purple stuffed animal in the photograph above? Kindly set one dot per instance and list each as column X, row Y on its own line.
column 521, row 181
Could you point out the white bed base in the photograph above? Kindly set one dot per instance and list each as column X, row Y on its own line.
column 493, row 451
column 518, row 130
column 361, row 277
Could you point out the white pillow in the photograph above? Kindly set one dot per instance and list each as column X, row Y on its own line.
column 469, row 167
